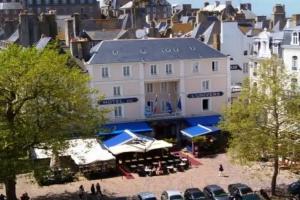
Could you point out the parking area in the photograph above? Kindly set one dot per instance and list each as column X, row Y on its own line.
column 207, row 173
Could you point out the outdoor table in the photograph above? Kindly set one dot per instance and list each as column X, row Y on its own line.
column 134, row 160
column 177, row 160
column 141, row 159
column 127, row 161
column 148, row 158
column 157, row 157
column 170, row 167
column 165, row 156
column 155, row 163
column 141, row 165
column 170, row 161
column 163, row 162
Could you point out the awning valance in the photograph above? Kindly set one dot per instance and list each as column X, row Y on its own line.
column 135, row 127
column 212, row 120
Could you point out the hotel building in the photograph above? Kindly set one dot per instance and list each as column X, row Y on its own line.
column 161, row 81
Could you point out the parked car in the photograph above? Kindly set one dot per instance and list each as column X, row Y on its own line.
column 242, row 191
column 171, row 195
column 146, row 196
column 194, row 194
column 215, row 192
column 294, row 189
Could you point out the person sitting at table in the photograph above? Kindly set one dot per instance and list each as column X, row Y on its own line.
column 153, row 171
column 147, row 170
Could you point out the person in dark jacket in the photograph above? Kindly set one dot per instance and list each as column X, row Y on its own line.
column 98, row 189
column 221, row 169
column 93, row 190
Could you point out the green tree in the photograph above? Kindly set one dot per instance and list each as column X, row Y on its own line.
column 264, row 120
column 42, row 103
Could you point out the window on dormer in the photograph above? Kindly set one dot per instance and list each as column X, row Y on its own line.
column 295, row 38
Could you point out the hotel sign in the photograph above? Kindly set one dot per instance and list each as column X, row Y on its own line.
column 118, row 101
column 205, row 94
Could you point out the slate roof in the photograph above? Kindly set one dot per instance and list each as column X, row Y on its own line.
column 151, row 50
column 103, row 35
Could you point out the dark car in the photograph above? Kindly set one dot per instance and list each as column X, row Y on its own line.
column 242, row 192
column 215, row 192
column 294, row 189
column 194, row 194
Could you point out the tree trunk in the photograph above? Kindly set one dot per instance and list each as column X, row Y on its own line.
column 10, row 187
column 274, row 177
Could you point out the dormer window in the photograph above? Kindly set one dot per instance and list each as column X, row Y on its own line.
column 295, row 38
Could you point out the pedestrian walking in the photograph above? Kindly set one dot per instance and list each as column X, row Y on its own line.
column 221, row 169
column 98, row 189
column 81, row 192
column 93, row 190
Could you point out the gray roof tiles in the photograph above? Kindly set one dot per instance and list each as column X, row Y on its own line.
column 151, row 50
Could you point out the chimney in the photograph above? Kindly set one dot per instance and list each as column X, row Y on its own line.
column 216, row 41
column 76, row 24
column 217, row 3
column 288, row 23
column 228, row 3
column 29, row 32
column 245, row 6
column 206, row 4
column 296, row 19
column 69, row 32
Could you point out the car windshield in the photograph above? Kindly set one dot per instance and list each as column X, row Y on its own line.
column 176, row 197
column 151, row 198
column 219, row 193
column 246, row 190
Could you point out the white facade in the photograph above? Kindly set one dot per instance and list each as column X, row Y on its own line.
column 202, row 86
column 238, row 46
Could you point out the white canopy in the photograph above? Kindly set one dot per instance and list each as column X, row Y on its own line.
column 158, row 144
column 82, row 151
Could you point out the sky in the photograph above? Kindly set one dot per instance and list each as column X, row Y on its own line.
column 260, row 7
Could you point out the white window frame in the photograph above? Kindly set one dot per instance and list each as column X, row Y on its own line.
column 295, row 63
column 106, row 74
column 215, row 66
column 206, row 87
column 245, row 68
column 148, row 87
column 295, row 38
column 119, row 89
column 124, row 70
column 195, row 67
column 153, row 68
column 163, row 87
column 209, row 104
column 121, row 113
column 169, row 68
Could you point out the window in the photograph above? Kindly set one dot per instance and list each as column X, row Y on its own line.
column 205, row 104
column 163, row 87
column 215, row 66
column 73, row 1
column 245, row 53
column 118, row 111
column 245, row 68
column 168, row 68
column 104, row 72
column 82, row 1
column 295, row 38
column 196, row 67
column 149, row 87
column 294, row 63
column 38, row 2
column 117, row 91
column 150, row 105
column 294, row 83
column 30, row 2
column 205, row 85
column 153, row 70
column 126, row 71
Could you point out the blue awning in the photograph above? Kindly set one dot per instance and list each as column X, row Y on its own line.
column 135, row 127
column 212, row 120
column 199, row 130
column 118, row 139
